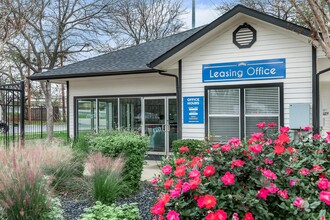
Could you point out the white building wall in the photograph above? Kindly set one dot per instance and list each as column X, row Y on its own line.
column 272, row 42
column 138, row 84
column 325, row 106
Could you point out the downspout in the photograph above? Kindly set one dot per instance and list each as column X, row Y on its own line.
column 315, row 94
column 178, row 99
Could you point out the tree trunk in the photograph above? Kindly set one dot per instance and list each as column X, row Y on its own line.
column 46, row 88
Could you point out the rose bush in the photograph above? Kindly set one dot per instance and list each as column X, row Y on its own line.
column 268, row 176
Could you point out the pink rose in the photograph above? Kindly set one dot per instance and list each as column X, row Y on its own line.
column 325, row 197
column 237, row 163
column 173, row 215
column 154, row 180
column 225, row 148
column 193, row 174
column 284, row 129
column 299, row 202
column 307, row 128
column 261, row 125
column 272, row 188
column 304, row 171
column 269, row 174
column 263, row 193
column 293, row 182
column 283, row 194
column 167, row 169
column 228, row 178
column 257, row 148
column 186, row 187
column 317, row 137
column 257, row 135
column 175, row 193
column 323, row 184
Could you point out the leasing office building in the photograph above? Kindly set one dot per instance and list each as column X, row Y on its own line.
column 222, row 79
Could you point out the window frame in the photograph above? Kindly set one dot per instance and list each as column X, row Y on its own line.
column 242, row 103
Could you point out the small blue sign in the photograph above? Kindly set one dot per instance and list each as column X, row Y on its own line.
column 193, row 110
column 246, row 70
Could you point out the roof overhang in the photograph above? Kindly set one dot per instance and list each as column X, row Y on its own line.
column 83, row 75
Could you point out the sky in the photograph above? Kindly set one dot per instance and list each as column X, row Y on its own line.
column 205, row 12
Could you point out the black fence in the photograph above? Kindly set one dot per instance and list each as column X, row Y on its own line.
column 12, row 114
column 36, row 123
column 19, row 122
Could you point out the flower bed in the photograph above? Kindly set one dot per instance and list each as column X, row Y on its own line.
column 269, row 176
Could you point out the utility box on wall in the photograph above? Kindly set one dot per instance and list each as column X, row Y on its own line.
column 299, row 115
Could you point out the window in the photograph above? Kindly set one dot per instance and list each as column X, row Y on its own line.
column 235, row 111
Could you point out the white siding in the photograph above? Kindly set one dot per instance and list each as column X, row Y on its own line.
column 272, row 42
column 151, row 83
column 325, row 106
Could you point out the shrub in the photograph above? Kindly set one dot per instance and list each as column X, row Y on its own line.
column 24, row 192
column 106, row 176
column 132, row 146
column 194, row 145
column 100, row 211
column 55, row 211
column 265, row 177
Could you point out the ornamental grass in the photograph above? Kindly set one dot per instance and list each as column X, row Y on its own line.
column 268, row 176
column 26, row 179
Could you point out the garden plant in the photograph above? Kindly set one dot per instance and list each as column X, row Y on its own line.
column 271, row 175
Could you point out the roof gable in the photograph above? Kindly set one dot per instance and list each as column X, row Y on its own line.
column 236, row 10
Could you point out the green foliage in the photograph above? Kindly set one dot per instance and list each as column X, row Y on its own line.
column 55, row 211
column 101, row 212
column 194, row 145
column 81, row 144
column 271, row 175
column 132, row 146
column 106, row 185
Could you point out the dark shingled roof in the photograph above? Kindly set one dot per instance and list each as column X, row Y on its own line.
column 128, row 60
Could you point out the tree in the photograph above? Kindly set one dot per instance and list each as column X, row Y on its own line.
column 45, row 25
column 131, row 22
column 316, row 14
column 313, row 14
column 278, row 8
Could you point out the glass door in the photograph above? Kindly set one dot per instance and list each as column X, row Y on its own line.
column 160, row 123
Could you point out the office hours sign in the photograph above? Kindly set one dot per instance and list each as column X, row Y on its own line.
column 193, row 110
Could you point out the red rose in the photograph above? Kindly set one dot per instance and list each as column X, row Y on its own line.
column 217, row 215
column 168, row 183
column 207, row 201
column 216, row 145
column 184, row 149
column 261, row 125
column 257, row 148
column 263, row 193
column 195, row 182
column 228, row 178
column 248, row 216
column 164, row 198
column 279, row 149
column 158, row 209
column 180, row 161
column 180, row 171
column 283, row 138
column 209, row 170
column 237, row 163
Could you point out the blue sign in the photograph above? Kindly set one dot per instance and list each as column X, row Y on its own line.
column 193, row 110
column 247, row 70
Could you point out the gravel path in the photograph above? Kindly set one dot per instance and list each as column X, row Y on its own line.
column 145, row 199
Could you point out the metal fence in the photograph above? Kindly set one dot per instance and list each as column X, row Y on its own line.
column 19, row 122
